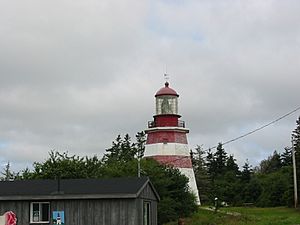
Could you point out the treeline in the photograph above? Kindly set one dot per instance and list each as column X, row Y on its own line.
column 267, row 185
column 120, row 160
column 217, row 174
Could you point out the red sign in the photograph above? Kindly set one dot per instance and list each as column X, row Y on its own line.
column 10, row 218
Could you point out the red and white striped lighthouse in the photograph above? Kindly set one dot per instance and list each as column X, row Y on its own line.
column 166, row 136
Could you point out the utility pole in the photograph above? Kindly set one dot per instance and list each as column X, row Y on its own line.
column 139, row 166
column 139, row 156
column 295, row 175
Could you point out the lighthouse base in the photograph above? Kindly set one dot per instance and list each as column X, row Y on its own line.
column 175, row 155
column 189, row 173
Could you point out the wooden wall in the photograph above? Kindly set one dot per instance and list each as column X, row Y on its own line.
column 148, row 195
column 98, row 212
column 82, row 212
column 91, row 211
column 20, row 208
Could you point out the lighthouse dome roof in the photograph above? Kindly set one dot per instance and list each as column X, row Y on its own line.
column 166, row 90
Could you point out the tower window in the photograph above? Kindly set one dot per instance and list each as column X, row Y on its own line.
column 166, row 104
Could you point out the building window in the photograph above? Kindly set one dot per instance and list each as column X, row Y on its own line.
column 147, row 213
column 40, row 212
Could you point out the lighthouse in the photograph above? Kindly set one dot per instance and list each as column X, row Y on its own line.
column 167, row 136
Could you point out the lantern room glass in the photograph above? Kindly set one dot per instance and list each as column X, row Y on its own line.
column 166, row 104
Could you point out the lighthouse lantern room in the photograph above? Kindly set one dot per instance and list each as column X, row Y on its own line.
column 166, row 136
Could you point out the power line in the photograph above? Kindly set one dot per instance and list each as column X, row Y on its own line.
column 257, row 129
column 246, row 134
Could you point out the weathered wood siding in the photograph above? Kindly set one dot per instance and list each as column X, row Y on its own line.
column 20, row 208
column 147, row 194
column 98, row 212
column 124, row 211
column 153, row 212
column 83, row 212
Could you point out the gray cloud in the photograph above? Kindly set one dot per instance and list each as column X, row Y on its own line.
column 73, row 75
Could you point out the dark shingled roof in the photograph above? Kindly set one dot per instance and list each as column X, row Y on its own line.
column 113, row 187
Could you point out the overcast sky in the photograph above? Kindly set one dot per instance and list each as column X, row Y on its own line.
column 75, row 74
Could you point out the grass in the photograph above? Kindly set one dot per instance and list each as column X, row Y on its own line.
column 245, row 216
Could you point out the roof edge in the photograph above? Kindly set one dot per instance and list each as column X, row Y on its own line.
column 152, row 187
column 62, row 196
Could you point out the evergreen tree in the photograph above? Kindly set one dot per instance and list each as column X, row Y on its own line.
column 140, row 144
column 272, row 164
column 227, row 187
column 198, row 160
column 113, row 153
column 7, row 174
column 252, row 190
column 273, row 183
column 286, row 157
column 249, row 191
column 220, row 160
column 231, row 165
column 211, row 164
column 275, row 189
column 202, row 178
column 224, row 176
column 128, row 152
column 246, row 172
column 122, row 150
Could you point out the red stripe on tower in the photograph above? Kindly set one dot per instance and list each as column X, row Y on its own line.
column 177, row 161
column 161, row 136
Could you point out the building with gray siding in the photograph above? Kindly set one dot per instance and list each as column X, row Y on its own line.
column 116, row 201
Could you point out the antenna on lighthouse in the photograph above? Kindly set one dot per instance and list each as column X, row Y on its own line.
column 166, row 75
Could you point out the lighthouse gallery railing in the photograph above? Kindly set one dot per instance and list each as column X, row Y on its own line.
column 151, row 124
